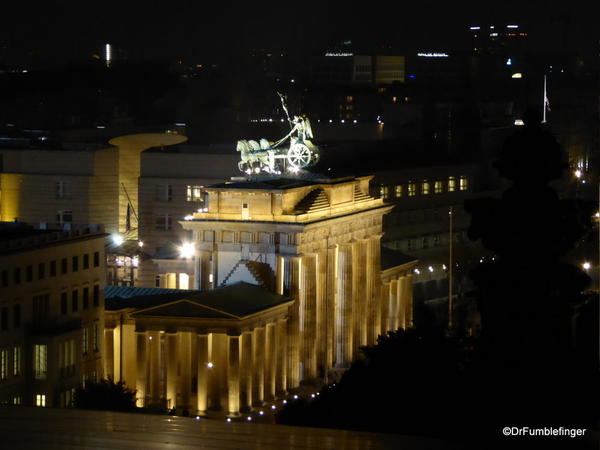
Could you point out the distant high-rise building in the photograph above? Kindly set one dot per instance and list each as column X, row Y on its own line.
column 497, row 39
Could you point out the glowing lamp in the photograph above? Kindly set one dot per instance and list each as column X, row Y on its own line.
column 187, row 250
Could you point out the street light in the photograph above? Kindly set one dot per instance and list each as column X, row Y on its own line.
column 187, row 250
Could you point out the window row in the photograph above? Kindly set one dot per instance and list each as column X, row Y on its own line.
column 193, row 193
column 428, row 241
column 425, row 187
column 75, row 302
column 50, row 269
column 10, row 362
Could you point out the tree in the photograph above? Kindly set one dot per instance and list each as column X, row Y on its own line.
column 527, row 291
column 105, row 395
column 393, row 387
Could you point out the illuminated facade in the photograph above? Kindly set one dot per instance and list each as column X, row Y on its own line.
column 51, row 313
column 313, row 248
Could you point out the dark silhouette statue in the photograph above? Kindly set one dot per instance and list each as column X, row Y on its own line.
column 527, row 291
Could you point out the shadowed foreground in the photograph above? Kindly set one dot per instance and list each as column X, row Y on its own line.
column 25, row 428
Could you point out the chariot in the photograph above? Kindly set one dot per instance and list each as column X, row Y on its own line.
column 291, row 153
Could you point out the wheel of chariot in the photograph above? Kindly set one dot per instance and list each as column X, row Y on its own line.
column 299, row 155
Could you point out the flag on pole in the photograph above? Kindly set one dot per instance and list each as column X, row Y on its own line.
column 546, row 102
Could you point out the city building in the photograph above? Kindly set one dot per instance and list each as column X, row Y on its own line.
column 317, row 241
column 77, row 183
column 348, row 68
column 51, row 312
column 428, row 219
column 292, row 283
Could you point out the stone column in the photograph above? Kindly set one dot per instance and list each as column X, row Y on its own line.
column 218, row 398
column 343, row 310
column 129, row 351
column 153, row 382
column 270, row 361
column 281, row 387
column 402, row 302
column 172, row 370
column 246, row 372
column 330, row 303
column 385, row 306
column 308, row 316
column 185, row 368
column 293, row 371
column 202, row 270
column 373, row 289
column 233, row 377
column 321, row 318
column 393, row 308
column 109, row 354
column 258, row 371
column 360, row 294
column 408, row 294
column 280, row 274
column 142, row 368
column 203, row 370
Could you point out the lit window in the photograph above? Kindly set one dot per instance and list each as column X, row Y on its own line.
column 40, row 400
column 451, row 184
column 383, row 192
column 40, row 361
column 194, row 194
column 17, row 400
column 437, row 187
column 463, row 184
column 16, row 360
column 412, row 189
column 349, row 99
column 164, row 192
column 3, row 365
column 425, row 187
column 399, row 190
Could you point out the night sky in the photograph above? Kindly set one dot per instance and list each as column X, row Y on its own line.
column 54, row 32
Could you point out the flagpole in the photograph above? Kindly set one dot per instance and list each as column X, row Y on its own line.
column 450, row 266
column 544, row 101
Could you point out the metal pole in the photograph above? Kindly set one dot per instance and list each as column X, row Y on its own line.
column 450, row 271
column 544, row 101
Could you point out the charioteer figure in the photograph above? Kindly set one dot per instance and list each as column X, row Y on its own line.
column 273, row 157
